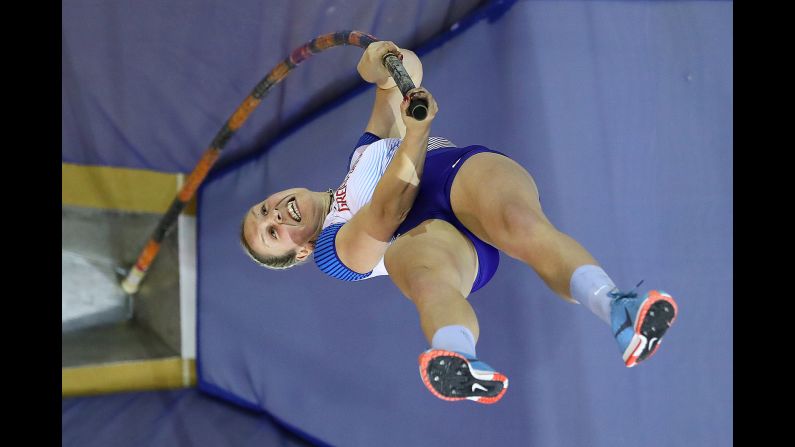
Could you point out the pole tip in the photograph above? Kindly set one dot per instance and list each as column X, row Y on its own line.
column 132, row 281
column 129, row 289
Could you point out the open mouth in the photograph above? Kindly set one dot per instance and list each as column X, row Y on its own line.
column 292, row 208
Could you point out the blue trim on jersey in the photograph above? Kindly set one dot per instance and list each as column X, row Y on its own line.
column 366, row 138
column 327, row 260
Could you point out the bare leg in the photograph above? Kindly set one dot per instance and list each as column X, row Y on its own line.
column 497, row 199
column 434, row 266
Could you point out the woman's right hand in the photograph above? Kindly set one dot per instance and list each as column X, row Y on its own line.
column 411, row 123
column 371, row 66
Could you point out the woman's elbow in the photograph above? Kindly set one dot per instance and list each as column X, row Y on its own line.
column 393, row 214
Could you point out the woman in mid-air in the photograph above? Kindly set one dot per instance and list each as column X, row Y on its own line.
column 433, row 216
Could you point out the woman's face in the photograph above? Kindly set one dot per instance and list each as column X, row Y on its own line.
column 285, row 221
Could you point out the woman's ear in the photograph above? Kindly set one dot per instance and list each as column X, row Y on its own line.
column 305, row 251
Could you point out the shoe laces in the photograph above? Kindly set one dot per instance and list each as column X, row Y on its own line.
column 619, row 295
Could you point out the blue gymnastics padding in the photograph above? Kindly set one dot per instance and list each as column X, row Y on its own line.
column 622, row 112
column 184, row 417
column 147, row 84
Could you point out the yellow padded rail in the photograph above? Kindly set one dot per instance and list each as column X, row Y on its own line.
column 122, row 189
column 141, row 375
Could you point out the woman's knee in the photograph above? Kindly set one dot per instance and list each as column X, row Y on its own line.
column 520, row 227
column 428, row 283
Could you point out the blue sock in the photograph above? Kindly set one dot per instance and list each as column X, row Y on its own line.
column 590, row 285
column 454, row 338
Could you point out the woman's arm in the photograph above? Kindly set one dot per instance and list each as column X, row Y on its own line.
column 398, row 187
column 385, row 118
column 363, row 240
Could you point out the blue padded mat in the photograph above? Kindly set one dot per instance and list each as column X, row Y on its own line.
column 146, row 84
column 184, row 417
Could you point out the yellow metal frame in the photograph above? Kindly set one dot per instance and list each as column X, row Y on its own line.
column 131, row 190
column 122, row 189
column 141, row 375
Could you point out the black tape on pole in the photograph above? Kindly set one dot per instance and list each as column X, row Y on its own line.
column 418, row 108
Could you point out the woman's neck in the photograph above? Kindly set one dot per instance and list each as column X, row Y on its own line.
column 327, row 200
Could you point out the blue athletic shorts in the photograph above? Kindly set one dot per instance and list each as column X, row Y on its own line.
column 433, row 202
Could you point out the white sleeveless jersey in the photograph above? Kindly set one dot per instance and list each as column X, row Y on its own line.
column 367, row 164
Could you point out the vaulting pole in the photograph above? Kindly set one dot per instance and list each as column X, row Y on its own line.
column 137, row 273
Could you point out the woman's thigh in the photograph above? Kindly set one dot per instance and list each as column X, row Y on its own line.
column 434, row 253
column 491, row 190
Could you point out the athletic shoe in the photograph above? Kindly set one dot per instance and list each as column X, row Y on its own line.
column 452, row 376
column 639, row 324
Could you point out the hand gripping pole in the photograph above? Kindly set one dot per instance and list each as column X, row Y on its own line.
column 418, row 108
